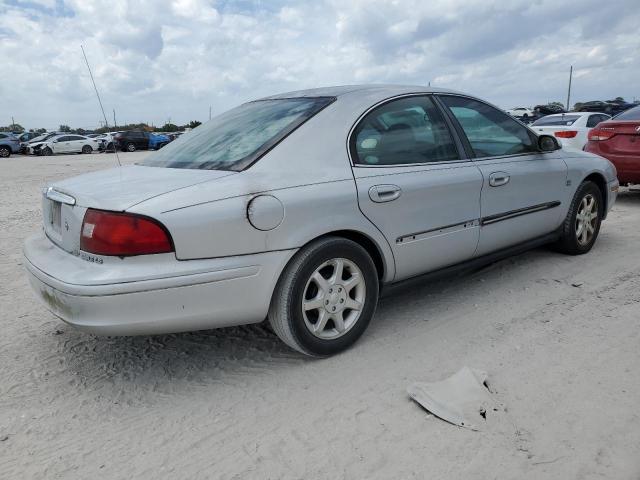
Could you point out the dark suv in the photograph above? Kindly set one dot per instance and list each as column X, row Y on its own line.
column 132, row 141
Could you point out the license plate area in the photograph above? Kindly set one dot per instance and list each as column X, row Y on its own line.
column 55, row 217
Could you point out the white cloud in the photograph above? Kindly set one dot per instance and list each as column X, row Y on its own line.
column 158, row 59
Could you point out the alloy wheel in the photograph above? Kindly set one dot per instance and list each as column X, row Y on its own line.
column 333, row 298
column 586, row 219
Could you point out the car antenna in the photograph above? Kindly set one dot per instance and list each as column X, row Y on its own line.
column 106, row 124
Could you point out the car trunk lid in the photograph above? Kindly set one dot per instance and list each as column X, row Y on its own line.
column 64, row 203
column 624, row 139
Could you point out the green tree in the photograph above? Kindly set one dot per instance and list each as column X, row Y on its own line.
column 169, row 127
column 558, row 104
column 194, row 124
column 64, row 128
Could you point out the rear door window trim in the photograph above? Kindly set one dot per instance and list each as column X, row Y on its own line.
column 462, row 153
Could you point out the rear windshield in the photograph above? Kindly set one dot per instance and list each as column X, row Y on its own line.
column 632, row 114
column 237, row 138
column 555, row 120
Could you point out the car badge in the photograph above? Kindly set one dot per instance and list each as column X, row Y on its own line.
column 637, row 129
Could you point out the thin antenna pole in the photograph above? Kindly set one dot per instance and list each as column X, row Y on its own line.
column 114, row 118
column 569, row 91
column 106, row 124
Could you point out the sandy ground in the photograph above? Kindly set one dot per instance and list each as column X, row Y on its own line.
column 563, row 360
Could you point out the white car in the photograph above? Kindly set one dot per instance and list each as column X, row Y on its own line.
column 67, row 143
column 521, row 112
column 570, row 128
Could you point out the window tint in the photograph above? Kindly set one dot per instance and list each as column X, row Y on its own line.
column 555, row 120
column 237, row 138
column 409, row 130
column 75, row 137
column 2, row 135
column 632, row 114
column 62, row 139
column 593, row 120
column 490, row 131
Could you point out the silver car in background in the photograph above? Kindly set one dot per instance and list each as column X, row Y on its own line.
column 300, row 207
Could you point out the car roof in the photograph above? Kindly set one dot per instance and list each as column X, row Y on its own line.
column 577, row 114
column 355, row 90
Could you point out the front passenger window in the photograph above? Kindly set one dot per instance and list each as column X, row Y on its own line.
column 490, row 131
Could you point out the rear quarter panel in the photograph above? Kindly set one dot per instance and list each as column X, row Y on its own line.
column 580, row 165
column 309, row 173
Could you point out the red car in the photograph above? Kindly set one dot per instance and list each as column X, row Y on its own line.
column 618, row 140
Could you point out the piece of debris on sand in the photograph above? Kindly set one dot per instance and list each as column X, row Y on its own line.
column 463, row 399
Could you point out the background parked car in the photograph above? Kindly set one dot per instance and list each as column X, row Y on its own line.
column 25, row 147
column 132, row 141
column 521, row 112
column 571, row 128
column 549, row 109
column 26, row 136
column 65, row 144
column 8, row 144
column 158, row 140
column 612, row 107
column 618, row 140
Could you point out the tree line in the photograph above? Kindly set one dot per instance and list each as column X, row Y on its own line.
column 167, row 127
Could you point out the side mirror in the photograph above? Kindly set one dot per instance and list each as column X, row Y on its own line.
column 55, row 141
column 548, row 143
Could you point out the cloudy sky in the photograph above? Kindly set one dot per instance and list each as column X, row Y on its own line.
column 155, row 60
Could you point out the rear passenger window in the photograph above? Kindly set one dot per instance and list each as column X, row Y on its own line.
column 593, row 120
column 410, row 130
column 490, row 131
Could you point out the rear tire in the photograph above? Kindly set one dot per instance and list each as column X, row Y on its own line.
column 5, row 152
column 582, row 224
column 325, row 297
column 131, row 147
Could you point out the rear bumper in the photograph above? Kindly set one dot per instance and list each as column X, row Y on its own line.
column 627, row 166
column 156, row 294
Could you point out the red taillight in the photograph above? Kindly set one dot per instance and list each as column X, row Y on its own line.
column 566, row 133
column 122, row 234
column 600, row 134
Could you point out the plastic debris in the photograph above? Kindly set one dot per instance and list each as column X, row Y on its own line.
column 463, row 399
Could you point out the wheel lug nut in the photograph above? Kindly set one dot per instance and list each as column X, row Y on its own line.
column 334, row 309
column 342, row 300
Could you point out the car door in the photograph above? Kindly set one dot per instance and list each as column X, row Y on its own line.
column 522, row 187
column 415, row 184
column 61, row 144
column 75, row 143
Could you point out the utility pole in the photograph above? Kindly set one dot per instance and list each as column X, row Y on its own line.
column 569, row 91
column 209, row 112
column 114, row 118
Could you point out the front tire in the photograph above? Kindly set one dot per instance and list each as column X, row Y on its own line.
column 47, row 151
column 87, row 149
column 131, row 147
column 582, row 224
column 325, row 298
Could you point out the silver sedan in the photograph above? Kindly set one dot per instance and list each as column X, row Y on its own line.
column 300, row 207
